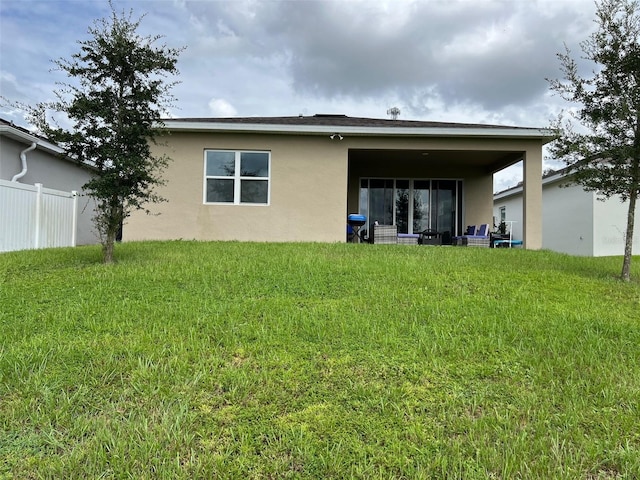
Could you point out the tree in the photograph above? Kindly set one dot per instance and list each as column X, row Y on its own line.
column 115, row 108
column 606, row 159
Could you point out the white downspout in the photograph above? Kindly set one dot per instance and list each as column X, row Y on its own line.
column 23, row 159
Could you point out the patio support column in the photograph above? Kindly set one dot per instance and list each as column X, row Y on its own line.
column 532, row 198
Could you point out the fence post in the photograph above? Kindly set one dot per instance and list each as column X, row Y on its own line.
column 74, row 221
column 36, row 235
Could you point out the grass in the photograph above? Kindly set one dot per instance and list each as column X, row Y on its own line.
column 241, row 360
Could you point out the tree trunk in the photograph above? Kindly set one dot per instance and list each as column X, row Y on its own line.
column 111, row 223
column 633, row 197
column 107, row 248
column 628, row 239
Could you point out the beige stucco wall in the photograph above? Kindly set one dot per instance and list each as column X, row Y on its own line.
column 478, row 203
column 308, row 192
column 313, row 185
column 532, row 194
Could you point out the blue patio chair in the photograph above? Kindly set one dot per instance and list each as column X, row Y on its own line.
column 479, row 237
column 457, row 240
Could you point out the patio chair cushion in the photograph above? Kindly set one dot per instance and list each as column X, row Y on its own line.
column 483, row 231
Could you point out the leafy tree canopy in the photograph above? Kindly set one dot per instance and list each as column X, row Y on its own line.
column 114, row 106
column 604, row 151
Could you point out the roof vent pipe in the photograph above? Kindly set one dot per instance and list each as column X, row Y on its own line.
column 23, row 159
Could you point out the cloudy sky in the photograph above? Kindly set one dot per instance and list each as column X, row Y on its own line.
column 479, row 61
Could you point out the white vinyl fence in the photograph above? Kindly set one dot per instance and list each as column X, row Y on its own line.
column 32, row 216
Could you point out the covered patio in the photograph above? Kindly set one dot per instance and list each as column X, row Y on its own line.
column 440, row 185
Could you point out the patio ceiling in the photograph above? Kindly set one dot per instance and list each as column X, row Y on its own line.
column 490, row 161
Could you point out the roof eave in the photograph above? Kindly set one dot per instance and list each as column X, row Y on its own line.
column 517, row 190
column 546, row 135
column 26, row 138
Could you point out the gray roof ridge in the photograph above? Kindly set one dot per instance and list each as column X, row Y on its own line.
column 340, row 120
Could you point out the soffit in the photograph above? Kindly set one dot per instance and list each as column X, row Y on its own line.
column 488, row 160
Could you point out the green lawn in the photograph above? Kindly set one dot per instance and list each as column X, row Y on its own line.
column 256, row 361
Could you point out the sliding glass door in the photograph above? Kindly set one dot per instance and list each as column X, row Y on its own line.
column 381, row 201
column 421, row 205
column 412, row 205
column 443, row 199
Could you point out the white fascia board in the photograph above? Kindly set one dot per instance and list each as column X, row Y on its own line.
column 486, row 132
column 554, row 178
column 20, row 136
column 508, row 193
column 517, row 190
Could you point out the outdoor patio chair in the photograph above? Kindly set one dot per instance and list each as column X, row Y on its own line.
column 383, row 234
column 480, row 237
column 457, row 240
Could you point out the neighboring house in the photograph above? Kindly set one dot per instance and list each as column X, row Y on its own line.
column 574, row 221
column 297, row 178
column 45, row 164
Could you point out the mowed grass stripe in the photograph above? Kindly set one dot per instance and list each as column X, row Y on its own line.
column 250, row 360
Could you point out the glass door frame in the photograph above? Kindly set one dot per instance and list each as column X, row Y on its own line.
column 431, row 213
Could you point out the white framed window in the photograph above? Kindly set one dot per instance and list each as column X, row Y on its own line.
column 237, row 177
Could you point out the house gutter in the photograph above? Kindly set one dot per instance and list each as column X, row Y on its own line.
column 17, row 134
column 20, row 135
column 23, row 160
column 545, row 134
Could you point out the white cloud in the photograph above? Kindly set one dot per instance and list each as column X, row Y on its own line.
column 455, row 60
column 219, row 107
column 475, row 61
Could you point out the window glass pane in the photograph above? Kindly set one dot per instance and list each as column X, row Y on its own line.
column 381, row 202
column 221, row 164
column 420, row 205
column 459, row 209
column 254, row 164
column 402, row 205
column 219, row 190
column 254, row 191
column 364, row 198
column 443, row 202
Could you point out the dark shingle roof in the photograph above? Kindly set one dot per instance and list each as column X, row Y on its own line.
column 17, row 127
column 336, row 120
column 26, row 136
column 24, row 130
